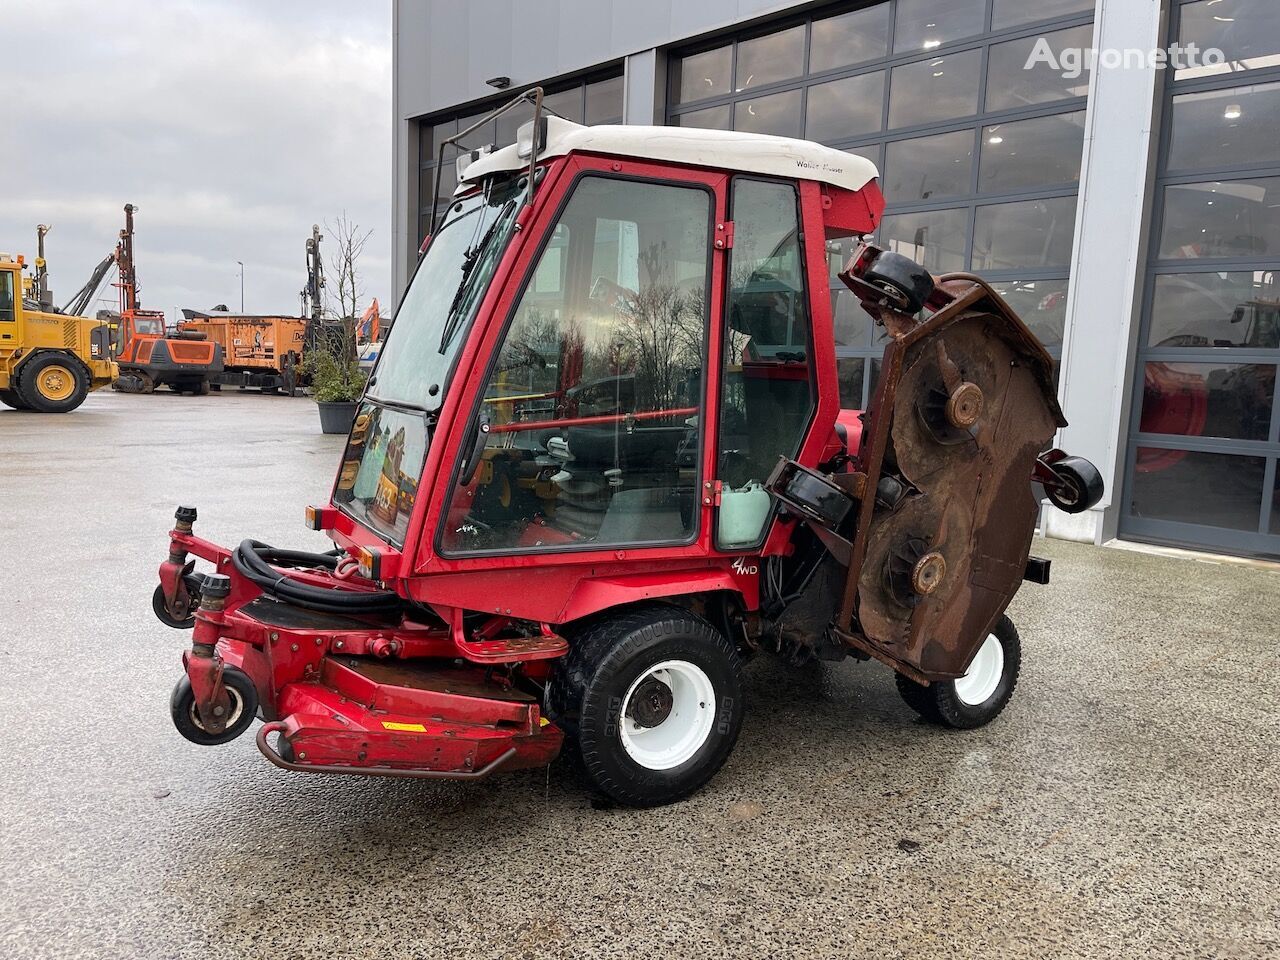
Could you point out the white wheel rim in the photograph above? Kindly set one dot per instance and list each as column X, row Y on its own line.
column 685, row 728
column 984, row 673
column 237, row 707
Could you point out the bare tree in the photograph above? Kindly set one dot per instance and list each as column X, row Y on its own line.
column 344, row 266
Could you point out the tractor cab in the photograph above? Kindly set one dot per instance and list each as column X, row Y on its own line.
column 601, row 458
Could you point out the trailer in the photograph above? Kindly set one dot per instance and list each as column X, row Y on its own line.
column 260, row 352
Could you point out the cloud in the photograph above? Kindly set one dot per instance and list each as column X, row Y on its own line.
column 232, row 125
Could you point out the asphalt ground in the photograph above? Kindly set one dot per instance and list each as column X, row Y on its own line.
column 1125, row 805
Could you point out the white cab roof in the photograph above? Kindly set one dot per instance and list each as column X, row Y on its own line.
column 720, row 149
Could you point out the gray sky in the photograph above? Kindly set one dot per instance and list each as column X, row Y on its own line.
column 233, row 125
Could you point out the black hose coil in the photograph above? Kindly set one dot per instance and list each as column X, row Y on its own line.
column 258, row 561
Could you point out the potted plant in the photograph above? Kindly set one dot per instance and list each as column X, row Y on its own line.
column 336, row 385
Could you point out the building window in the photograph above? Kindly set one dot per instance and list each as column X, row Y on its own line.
column 1205, row 435
column 593, row 100
column 979, row 157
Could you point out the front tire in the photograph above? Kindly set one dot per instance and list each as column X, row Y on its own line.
column 244, row 707
column 978, row 697
column 650, row 700
column 53, row 383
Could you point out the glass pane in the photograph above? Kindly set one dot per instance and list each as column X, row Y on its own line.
column 1010, row 84
column 1012, row 13
column 1226, row 128
column 604, row 101
column 1211, row 489
column 712, row 118
column 1208, row 400
column 1247, row 31
column 1216, row 310
column 870, row 152
column 426, row 154
column 945, row 88
column 768, row 59
column 1042, row 305
column 839, row 252
column 1032, row 233
column 852, row 323
column 435, row 313
column 844, row 109
column 566, row 103
column 851, row 373
column 1235, row 218
column 778, row 114
column 927, row 24
column 704, row 74
column 7, row 298
column 381, row 468
column 766, row 393
column 935, row 239
column 438, row 133
column 595, row 395
column 848, row 39
column 1275, row 505
column 427, row 182
column 1032, row 153
column 510, row 122
column 929, row 168
column 480, row 137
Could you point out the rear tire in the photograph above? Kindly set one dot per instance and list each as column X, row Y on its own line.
column 11, row 398
column 53, row 383
column 978, row 697
column 650, row 700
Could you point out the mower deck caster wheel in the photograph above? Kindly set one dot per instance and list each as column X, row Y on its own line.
column 1082, row 485
column 907, row 284
column 978, row 697
column 244, row 707
column 164, row 616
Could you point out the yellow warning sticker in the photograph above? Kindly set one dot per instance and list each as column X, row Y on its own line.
column 543, row 721
column 403, row 727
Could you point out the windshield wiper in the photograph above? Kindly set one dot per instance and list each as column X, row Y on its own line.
column 469, row 261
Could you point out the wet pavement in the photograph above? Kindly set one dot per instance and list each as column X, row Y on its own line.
column 1126, row 804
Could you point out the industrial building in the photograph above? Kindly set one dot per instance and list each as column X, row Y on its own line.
column 1130, row 212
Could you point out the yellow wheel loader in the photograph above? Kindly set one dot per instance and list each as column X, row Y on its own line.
column 49, row 361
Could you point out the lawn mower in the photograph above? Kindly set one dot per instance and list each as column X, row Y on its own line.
column 602, row 460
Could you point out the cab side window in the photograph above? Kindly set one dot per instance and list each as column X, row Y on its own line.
column 6, row 297
column 766, row 386
column 594, row 400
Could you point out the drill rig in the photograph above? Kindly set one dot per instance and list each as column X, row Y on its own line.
column 149, row 357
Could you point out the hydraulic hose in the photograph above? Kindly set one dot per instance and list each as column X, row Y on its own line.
column 258, row 562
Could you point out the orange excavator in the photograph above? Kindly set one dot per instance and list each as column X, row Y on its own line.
column 147, row 355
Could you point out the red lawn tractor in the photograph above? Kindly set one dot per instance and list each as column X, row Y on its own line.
column 602, row 460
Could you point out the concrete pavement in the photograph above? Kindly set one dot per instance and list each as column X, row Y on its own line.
column 1124, row 805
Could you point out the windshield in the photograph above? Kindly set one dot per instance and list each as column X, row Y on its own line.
column 441, row 302
column 378, row 481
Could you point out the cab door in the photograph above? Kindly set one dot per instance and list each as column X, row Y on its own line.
column 768, row 376
column 10, row 314
column 595, row 401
